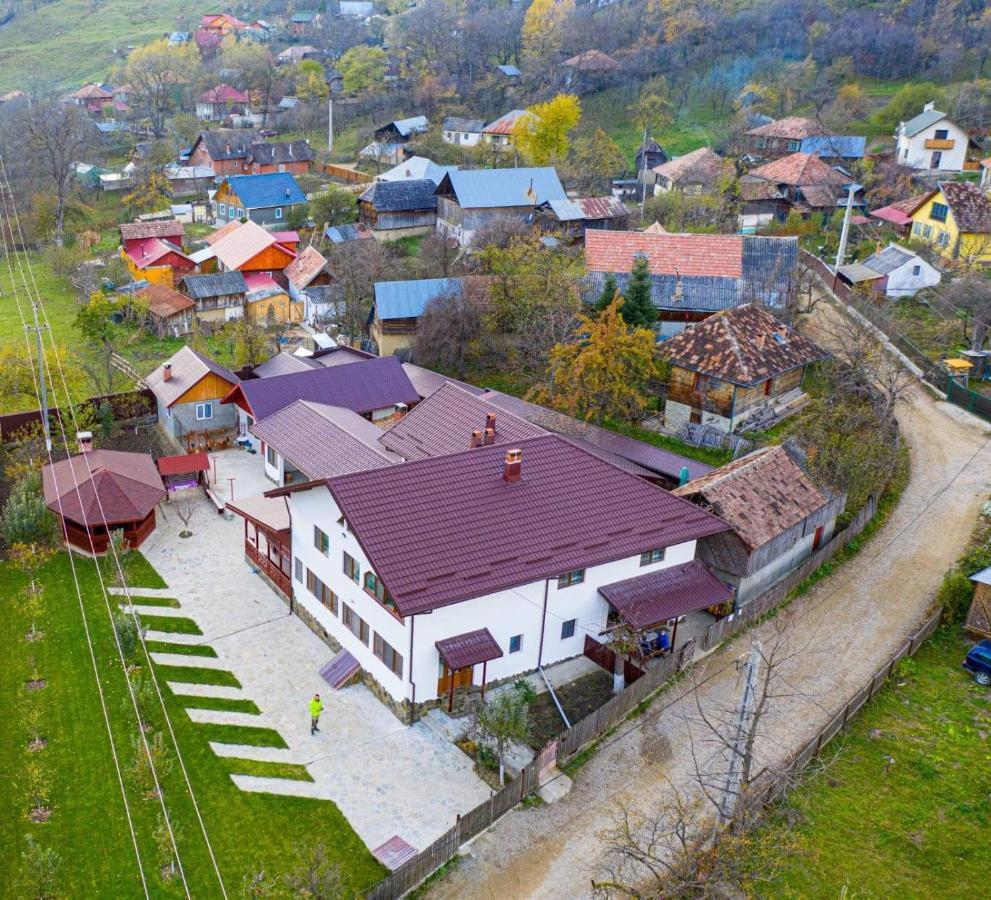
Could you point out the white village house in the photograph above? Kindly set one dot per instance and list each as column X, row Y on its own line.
column 478, row 566
column 893, row 271
column 931, row 140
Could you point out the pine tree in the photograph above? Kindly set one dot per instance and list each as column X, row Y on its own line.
column 609, row 292
column 638, row 310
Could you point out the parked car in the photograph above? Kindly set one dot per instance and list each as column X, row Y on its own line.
column 978, row 662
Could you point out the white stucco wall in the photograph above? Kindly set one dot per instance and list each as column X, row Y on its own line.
column 902, row 282
column 912, row 151
column 506, row 613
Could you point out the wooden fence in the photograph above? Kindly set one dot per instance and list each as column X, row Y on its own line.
column 129, row 405
column 770, row 785
column 597, row 723
column 351, row 176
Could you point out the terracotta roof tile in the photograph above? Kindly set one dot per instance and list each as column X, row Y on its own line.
column 800, row 169
column 667, row 254
column 745, row 345
column 791, row 127
column 168, row 228
column 971, row 207
column 702, row 166
column 164, row 301
column 760, row 495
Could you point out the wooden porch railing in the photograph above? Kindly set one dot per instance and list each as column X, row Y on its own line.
column 277, row 576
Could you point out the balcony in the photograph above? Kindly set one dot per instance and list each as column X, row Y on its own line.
column 936, row 144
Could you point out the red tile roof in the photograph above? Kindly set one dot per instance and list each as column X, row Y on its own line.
column 506, row 123
column 745, row 345
column 468, row 649
column 667, row 254
column 800, row 169
column 169, row 228
column 302, row 270
column 164, row 301
column 105, row 485
column 149, row 251
column 702, row 166
column 223, row 93
column 970, row 205
column 592, row 61
column 649, row 600
column 791, row 127
column 441, row 530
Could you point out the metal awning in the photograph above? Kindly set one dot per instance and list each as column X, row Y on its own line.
column 184, row 464
column 468, row 649
column 649, row 600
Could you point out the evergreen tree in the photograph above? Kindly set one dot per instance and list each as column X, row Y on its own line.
column 609, row 292
column 638, row 310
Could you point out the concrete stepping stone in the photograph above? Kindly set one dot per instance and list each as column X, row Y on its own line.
column 156, row 611
column 136, row 592
column 261, row 754
column 282, row 786
column 175, row 637
column 189, row 689
column 224, row 717
column 184, row 659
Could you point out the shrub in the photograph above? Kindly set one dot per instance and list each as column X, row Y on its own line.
column 41, row 867
column 127, row 634
column 526, row 690
column 25, row 517
column 954, row 595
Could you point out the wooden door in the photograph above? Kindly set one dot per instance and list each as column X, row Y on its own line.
column 817, row 539
column 462, row 677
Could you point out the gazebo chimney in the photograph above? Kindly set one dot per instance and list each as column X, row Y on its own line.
column 167, row 372
column 513, row 470
column 85, row 441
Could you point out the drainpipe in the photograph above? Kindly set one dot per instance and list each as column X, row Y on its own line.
column 732, row 410
column 292, row 565
column 543, row 622
column 412, row 623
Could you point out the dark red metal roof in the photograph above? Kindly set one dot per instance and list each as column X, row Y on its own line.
column 446, row 529
column 648, row 600
column 468, row 649
column 181, row 465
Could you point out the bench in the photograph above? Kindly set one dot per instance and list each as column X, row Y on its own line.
column 221, row 506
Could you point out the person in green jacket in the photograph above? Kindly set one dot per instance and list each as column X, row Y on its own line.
column 316, row 707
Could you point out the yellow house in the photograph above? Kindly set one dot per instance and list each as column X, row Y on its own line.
column 957, row 220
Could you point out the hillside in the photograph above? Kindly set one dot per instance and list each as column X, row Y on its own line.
column 69, row 42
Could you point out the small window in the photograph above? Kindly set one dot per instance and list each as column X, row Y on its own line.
column 374, row 586
column 323, row 593
column 204, row 411
column 570, row 578
column 938, row 212
column 942, row 134
column 568, row 629
column 351, row 567
column 917, row 228
column 516, row 643
column 222, row 209
column 278, row 212
column 270, row 457
column 794, row 146
column 355, row 624
column 299, row 570
column 651, row 556
column 943, row 239
column 388, row 655
column 916, row 270
column 927, row 231
column 321, row 540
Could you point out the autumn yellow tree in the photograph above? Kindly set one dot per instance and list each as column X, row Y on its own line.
column 542, row 136
column 155, row 73
column 604, row 373
column 543, row 28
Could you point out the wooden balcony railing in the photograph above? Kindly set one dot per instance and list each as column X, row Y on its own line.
column 937, row 144
column 279, row 578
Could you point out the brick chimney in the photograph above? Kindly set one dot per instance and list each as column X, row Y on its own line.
column 167, row 372
column 513, row 470
column 489, row 437
column 490, row 420
column 476, row 439
column 85, row 441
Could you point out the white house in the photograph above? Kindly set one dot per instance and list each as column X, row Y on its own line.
column 931, row 141
column 906, row 272
column 478, row 566
column 464, row 132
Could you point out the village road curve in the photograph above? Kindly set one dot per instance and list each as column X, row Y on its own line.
column 855, row 619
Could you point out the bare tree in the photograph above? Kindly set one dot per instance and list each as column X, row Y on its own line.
column 448, row 333
column 971, row 296
column 57, row 136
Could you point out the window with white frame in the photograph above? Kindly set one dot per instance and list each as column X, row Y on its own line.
column 516, row 643
column 568, row 629
column 204, row 411
column 278, row 212
column 222, row 209
column 271, row 457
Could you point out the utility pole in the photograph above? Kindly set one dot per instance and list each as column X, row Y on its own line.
column 744, row 722
column 642, row 173
column 330, row 120
column 42, row 384
column 852, row 189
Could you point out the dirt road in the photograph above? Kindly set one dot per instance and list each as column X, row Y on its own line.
column 856, row 618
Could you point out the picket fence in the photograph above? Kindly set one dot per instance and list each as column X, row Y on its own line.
column 597, row 723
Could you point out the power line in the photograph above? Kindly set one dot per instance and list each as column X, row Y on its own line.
column 134, row 615
column 72, row 563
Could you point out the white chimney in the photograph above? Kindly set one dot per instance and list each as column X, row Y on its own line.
column 85, row 441
column 929, row 107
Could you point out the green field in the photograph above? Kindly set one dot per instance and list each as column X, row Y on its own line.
column 87, row 826
column 67, row 43
column 56, row 294
column 921, row 827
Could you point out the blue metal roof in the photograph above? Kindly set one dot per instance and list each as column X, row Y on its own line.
column 263, row 191
column 848, row 146
column 408, row 299
column 482, row 188
column 511, row 71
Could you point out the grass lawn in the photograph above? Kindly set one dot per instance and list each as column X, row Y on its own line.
column 87, row 828
column 57, row 294
column 921, row 828
column 64, row 44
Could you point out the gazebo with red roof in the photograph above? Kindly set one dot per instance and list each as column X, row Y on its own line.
column 98, row 492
